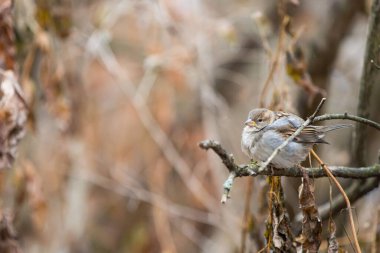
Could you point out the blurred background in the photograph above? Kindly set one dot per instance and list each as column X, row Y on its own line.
column 120, row 93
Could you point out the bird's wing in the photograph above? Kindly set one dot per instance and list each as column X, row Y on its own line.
column 289, row 124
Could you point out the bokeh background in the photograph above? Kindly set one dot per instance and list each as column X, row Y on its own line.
column 120, row 93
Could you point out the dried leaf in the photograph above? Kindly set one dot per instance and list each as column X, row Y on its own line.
column 311, row 223
column 333, row 245
column 278, row 223
column 13, row 116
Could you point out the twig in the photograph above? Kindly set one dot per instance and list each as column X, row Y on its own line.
column 275, row 61
column 295, row 134
column 246, row 216
column 347, row 200
column 227, row 187
column 355, row 191
column 227, row 159
column 349, row 117
column 337, row 171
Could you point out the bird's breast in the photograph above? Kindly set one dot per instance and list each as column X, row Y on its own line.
column 249, row 142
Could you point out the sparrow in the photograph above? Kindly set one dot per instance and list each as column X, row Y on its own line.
column 265, row 130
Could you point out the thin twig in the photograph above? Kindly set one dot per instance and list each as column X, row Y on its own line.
column 247, row 210
column 228, row 161
column 227, row 187
column 294, row 135
column 275, row 61
column 347, row 200
column 349, row 117
column 356, row 190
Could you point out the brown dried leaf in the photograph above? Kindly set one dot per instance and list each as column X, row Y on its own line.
column 333, row 245
column 13, row 114
column 311, row 223
column 279, row 223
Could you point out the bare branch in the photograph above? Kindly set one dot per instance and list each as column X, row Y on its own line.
column 227, row 159
column 253, row 169
column 347, row 117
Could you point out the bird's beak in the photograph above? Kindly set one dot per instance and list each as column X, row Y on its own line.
column 250, row 123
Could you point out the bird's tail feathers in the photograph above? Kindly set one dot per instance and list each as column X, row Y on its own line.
column 334, row 127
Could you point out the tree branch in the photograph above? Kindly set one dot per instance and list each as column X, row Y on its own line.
column 370, row 78
column 246, row 170
column 347, row 117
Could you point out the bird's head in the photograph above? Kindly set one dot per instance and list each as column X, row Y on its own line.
column 259, row 119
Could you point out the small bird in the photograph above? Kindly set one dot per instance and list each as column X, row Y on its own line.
column 265, row 130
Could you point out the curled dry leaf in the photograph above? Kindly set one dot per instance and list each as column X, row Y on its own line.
column 13, row 116
column 278, row 221
column 311, row 223
column 282, row 239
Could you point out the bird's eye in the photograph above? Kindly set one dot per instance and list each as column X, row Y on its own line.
column 260, row 120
